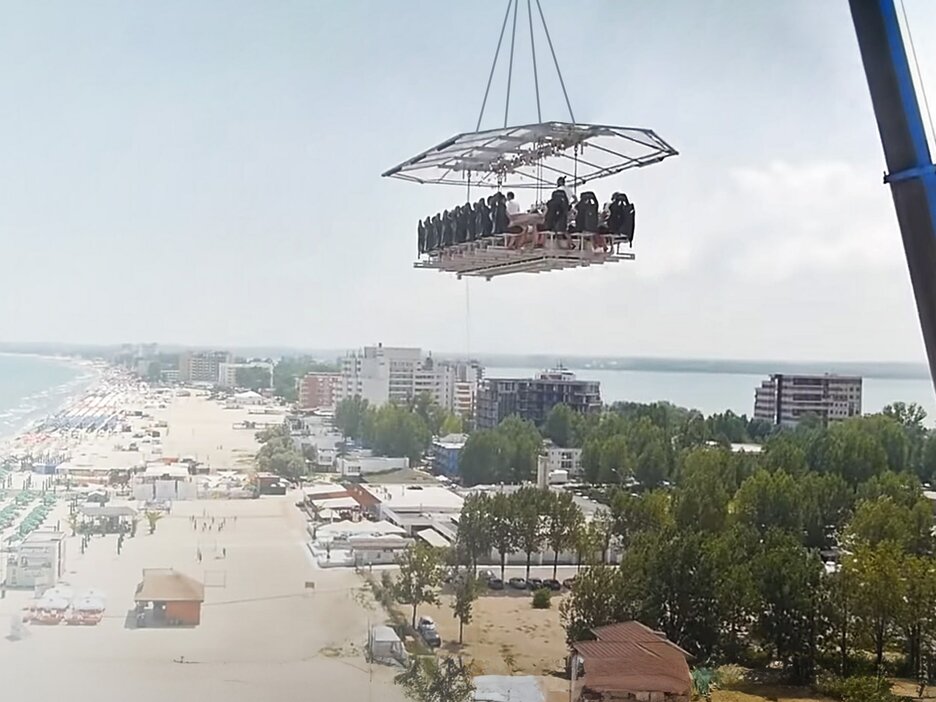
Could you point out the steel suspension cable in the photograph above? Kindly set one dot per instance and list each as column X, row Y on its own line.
column 929, row 115
column 555, row 61
column 487, row 89
column 513, row 38
column 539, row 113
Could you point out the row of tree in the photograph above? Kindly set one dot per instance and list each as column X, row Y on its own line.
column 395, row 430
column 528, row 520
column 729, row 561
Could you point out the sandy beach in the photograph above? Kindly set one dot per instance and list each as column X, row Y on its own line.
column 263, row 633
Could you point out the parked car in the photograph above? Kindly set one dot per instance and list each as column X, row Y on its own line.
column 518, row 583
column 495, row 584
column 568, row 583
column 486, row 574
column 534, row 583
column 552, row 584
column 427, row 629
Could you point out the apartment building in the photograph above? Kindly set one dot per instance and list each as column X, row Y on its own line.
column 533, row 398
column 318, row 390
column 783, row 399
column 227, row 372
column 201, row 366
column 382, row 374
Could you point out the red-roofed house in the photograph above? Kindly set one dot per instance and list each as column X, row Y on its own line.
column 630, row 661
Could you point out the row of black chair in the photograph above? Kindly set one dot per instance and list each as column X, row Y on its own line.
column 489, row 217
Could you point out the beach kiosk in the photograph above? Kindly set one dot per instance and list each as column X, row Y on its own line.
column 166, row 597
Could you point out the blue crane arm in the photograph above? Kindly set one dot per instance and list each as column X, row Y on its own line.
column 911, row 174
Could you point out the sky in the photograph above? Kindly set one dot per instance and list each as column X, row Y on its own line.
column 208, row 174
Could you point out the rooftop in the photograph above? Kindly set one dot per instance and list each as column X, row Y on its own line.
column 403, row 476
column 630, row 657
column 43, row 537
column 168, row 585
column 422, row 497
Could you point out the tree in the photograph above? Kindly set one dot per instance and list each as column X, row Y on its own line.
column 597, row 599
column 788, row 578
column 672, row 587
column 784, row 452
column 350, row 416
column 825, row 503
column 911, row 418
column 862, row 455
column 473, row 539
column 562, row 519
column 430, row 680
column 527, row 504
column 452, row 424
column 524, row 445
column 602, row 527
column 880, row 588
column 288, row 371
column 838, row 596
column 152, row 517
column 903, row 488
column 400, row 432
column 633, row 515
column 591, row 539
column 728, row 557
column 484, row 458
column 892, row 438
column 560, row 425
column 502, row 527
column 652, row 452
column 420, row 575
column 880, row 520
column 466, row 592
column 769, row 500
column 917, row 618
column 278, row 454
column 701, row 501
column 252, row 377
column 616, row 460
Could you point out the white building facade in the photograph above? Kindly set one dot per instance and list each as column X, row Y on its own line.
column 381, row 374
column 783, row 399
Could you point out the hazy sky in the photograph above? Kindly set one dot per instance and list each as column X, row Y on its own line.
column 207, row 173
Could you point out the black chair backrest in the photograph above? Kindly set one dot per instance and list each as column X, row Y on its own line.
column 448, row 228
column 617, row 214
column 462, row 215
column 474, row 222
column 629, row 222
column 421, row 237
column 557, row 212
column 586, row 213
column 485, row 223
column 435, row 236
column 501, row 220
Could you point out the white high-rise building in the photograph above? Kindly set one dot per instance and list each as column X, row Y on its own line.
column 381, row 374
column 785, row 398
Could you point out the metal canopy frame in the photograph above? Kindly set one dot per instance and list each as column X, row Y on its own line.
column 534, row 155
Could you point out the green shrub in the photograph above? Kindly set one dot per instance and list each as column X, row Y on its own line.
column 858, row 688
column 541, row 598
column 729, row 675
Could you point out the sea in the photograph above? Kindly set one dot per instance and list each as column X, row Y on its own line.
column 33, row 387
column 711, row 392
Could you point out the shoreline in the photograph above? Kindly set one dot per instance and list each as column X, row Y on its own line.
column 20, row 440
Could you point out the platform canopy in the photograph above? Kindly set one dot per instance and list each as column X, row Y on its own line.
column 534, row 155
